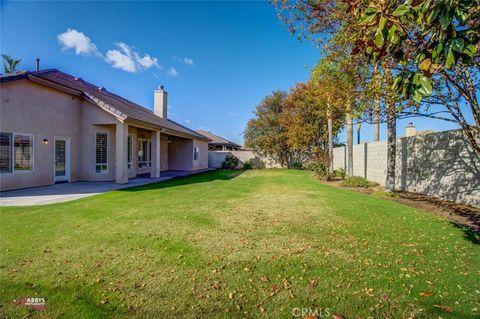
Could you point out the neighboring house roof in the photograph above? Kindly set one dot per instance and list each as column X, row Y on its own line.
column 106, row 100
column 217, row 140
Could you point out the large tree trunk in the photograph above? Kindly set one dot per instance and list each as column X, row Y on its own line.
column 330, row 142
column 349, row 140
column 391, row 135
column 376, row 104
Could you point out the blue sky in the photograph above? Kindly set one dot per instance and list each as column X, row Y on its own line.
column 217, row 60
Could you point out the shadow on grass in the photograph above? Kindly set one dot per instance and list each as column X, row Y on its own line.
column 220, row 175
column 469, row 233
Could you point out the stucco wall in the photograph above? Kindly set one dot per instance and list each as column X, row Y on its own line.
column 93, row 119
column 180, row 155
column 215, row 159
column 163, row 153
column 202, row 162
column 438, row 164
column 45, row 113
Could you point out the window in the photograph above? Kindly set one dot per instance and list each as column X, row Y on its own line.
column 129, row 151
column 101, row 148
column 196, row 151
column 144, row 153
column 16, row 152
column 5, row 152
column 23, row 152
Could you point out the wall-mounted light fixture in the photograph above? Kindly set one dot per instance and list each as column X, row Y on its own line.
column 45, row 141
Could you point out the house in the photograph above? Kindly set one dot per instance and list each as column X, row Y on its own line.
column 59, row 128
column 218, row 143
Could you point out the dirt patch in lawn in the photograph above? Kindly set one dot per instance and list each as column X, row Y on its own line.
column 458, row 213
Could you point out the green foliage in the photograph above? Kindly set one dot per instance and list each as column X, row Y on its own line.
column 340, row 173
column 265, row 133
column 357, row 181
column 247, row 165
column 230, row 162
column 10, row 64
column 297, row 165
column 425, row 37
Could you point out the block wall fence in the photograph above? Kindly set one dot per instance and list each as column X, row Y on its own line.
column 439, row 164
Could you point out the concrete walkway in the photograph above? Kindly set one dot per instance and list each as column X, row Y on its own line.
column 64, row 192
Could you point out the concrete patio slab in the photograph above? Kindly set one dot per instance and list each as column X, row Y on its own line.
column 64, row 192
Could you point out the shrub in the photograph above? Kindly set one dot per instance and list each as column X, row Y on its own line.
column 230, row 162
column 356, row 181
column 340, row 173
column 297, row 165
column 320, row 164
column 247, row 165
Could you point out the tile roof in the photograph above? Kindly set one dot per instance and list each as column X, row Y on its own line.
column 215, row 139
column 109, row 101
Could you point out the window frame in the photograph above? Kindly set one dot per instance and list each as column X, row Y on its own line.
column 95, row 160
column 130, row 152
column 148, row 162
column 32, row 155
column 196, row 153
column 10, row 149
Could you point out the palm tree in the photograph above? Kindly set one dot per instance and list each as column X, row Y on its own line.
column 10, row 64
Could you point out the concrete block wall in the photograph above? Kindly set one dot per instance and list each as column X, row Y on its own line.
column 439, row 164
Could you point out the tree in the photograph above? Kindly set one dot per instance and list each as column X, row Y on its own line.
column 305, row 117
column 10, row 64
column 329, row 80
column 265, row 133
column 434, row 45
column 455, row 99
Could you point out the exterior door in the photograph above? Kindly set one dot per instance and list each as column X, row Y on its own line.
column 62, row 159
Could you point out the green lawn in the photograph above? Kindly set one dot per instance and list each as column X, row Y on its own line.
column 237, row 244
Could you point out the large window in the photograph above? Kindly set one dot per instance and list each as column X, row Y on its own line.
column 129, row 151
column 196, row 152
column 144, row 153
column 101, row 149
column 5, row 152
column 16, row 152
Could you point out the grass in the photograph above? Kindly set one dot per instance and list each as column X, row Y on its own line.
column 236, row 244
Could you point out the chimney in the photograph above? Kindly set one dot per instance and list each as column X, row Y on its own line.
column 160, row 103
column 37, row 64
column 410, row 130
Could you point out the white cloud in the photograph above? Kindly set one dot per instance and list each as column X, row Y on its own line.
column 121, row 61
column 189, row 122
column 188, row 61
column 185, row 60
column 232, row 114
column 172, row 72
column 73, row 39
column 130, row 60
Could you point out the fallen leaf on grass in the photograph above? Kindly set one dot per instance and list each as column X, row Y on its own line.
column 337, row 316
column 426, row 293
column 446, row 308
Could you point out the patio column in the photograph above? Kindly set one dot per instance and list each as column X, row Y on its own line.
column 121, row 149
column 155, row 172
